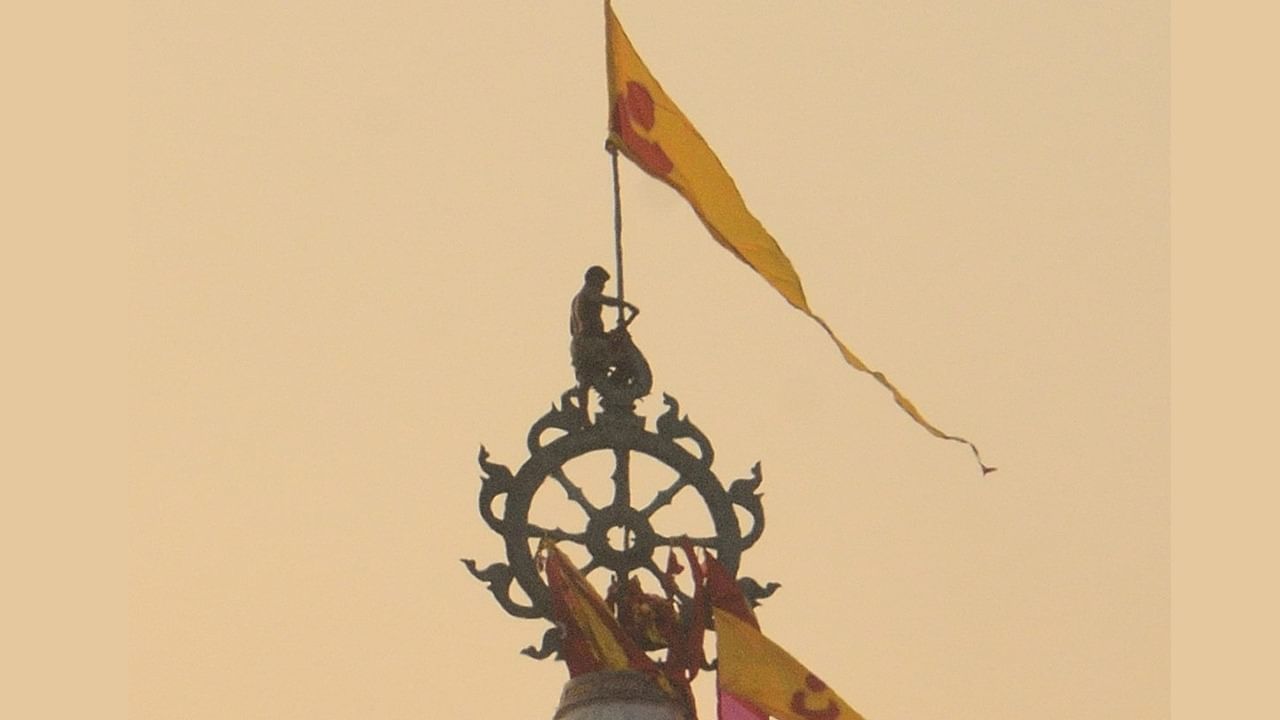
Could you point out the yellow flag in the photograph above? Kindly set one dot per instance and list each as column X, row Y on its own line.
column 647, row 127
column 753, row 668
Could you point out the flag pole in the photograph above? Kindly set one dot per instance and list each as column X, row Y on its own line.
column 617, row 224
column 617, row 253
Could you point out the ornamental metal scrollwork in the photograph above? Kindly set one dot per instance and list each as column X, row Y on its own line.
column 565, row 434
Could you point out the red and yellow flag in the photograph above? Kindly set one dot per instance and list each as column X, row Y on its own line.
column 755, row 678
column 592, row 640
column 753, row 668
column 647, row 127
column 722, row 591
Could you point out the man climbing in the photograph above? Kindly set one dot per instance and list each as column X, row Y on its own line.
column 589, row 348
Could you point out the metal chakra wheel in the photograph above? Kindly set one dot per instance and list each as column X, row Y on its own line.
column 618, row 536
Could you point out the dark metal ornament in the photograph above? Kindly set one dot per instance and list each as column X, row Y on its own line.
column 563, row 435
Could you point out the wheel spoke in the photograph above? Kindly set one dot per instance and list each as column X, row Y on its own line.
column 652, row 567
column 621, row 477
column 574, row 492
column 557, row 534
column 702, row 542
column 664, row 497
column 661, row 577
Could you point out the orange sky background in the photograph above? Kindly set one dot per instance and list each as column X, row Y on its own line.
column 357, row 230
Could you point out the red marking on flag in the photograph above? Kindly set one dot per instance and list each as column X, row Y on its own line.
column 640, row 104
column 635, row 105
column 801, row 708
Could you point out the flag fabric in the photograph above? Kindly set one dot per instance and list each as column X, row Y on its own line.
column 592, row 639
column 755, row 678
column 754, row 669
column 723, row 593
column 732, row 707
column 647, row 127
column 684, row 649
column 677, row 624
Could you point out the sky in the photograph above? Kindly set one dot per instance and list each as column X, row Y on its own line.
column 356, row 233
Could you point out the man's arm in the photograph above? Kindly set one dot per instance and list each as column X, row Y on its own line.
column 615, row 302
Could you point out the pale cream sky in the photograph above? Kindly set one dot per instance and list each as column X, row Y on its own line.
column 358, row 231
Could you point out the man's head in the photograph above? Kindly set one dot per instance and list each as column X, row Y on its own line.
column 596, row 275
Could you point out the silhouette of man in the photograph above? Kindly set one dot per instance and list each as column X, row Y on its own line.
column 589, row 348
